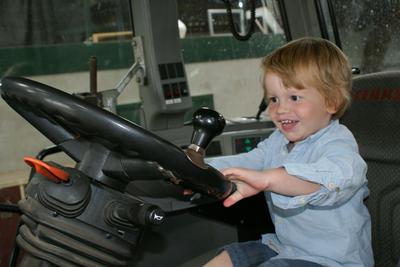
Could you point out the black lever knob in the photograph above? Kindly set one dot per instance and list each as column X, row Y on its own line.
column 207, row 124
column 146, row 214
column 135, row 213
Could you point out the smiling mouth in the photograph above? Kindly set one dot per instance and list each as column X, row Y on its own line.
column 288, row 125
column 287, row 122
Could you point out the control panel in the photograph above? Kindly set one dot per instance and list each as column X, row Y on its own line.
column 173, row 82
column 240, row 137
column 244, row 144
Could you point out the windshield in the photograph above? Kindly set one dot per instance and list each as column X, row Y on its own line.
column 54, row 42
column 369, row 33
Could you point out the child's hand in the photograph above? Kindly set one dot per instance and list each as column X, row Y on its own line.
column 248, row 183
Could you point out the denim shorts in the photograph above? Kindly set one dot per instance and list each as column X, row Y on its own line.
column 254, row 253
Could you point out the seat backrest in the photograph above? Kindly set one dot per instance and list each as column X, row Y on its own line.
column 374, row 119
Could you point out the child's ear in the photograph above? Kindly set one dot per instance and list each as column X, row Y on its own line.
column 332, row 106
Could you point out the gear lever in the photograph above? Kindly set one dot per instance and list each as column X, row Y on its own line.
column 207, row 124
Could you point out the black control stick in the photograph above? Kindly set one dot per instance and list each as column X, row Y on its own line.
column 207, row 124
column 136, row 213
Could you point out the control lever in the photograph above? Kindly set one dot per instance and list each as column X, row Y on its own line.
column 207, row 124
column 145, row 214
column 120, row 214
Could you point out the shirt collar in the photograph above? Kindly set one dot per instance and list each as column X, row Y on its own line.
column 315, row 135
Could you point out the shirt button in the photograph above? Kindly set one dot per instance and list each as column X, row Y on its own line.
column 331, row 186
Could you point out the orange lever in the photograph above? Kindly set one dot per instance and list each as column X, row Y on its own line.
column 53, row 173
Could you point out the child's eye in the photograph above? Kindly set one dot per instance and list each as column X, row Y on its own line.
column 295, row 97
column 273, row 99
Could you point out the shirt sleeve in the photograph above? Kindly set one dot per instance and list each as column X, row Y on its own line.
column 250, row 160
column 339, row 170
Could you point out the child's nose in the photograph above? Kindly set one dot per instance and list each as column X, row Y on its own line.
column 283, row 107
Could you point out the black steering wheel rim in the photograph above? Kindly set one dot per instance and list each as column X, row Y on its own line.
column 62, row 117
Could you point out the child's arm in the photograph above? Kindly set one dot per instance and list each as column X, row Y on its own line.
column 250, row 182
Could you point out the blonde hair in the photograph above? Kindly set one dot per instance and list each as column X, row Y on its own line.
column 317, row 63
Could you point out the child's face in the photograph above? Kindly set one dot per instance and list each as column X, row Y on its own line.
column 297, row 113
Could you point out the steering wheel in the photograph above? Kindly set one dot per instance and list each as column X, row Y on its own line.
column 80, row 128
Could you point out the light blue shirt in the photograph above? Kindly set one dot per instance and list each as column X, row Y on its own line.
column 332, row 226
